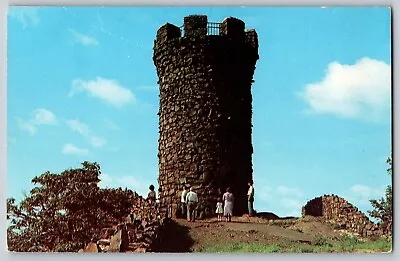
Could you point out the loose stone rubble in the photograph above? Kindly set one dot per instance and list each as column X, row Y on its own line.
column 136, row 233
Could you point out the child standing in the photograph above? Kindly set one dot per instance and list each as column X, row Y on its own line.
column 219, row 210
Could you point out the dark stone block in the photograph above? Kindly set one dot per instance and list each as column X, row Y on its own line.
column 195, row 25
column 233, row 28
column 168, row 32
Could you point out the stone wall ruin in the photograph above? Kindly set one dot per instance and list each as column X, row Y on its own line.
column 205, row 115
column 136, row 233
column 342, row 214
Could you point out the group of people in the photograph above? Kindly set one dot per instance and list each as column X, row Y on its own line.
column 190, row 200
column 188, row 197
column 224, row 207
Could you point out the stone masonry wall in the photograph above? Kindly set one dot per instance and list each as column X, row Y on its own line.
column 205, row 110
column 338, row 211
column 136, row 233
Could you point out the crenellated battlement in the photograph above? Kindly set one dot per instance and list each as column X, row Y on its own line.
column 197, row 26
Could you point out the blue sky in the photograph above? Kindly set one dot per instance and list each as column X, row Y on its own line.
column 82, row 86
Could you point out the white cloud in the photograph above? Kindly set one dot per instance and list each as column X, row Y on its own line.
column 44, row 117
column 83, row 129
column 105, row 180
column 39, row 117
column 361, row 194
column 27, row 16
column 281, row 200
column 267, row 194
column 285, row 191
column 131, row 182
column 137, row 43
column 97, row 141
column 107, row 90
column 360, row 90
column 70, row 149
column 150, row 88
column 110, row 124
column 84, row 39
column 26, row 126
column 76, row 125
column 364, row 190
column 264, row 194
column 291, row 203
column 135, row 183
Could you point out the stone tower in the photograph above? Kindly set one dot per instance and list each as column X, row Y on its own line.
column 205, row 73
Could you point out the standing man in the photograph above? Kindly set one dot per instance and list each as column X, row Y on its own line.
column 191, row 201
column 250, row 198
column 183, row 201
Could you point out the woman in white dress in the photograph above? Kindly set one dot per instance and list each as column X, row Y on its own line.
column 228, row 206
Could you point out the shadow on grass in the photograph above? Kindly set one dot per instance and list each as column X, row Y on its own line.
column 173, row 238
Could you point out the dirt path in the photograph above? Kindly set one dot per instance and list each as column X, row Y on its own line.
column 182, row 236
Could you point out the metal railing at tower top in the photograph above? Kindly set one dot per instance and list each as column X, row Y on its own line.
column 212, row 28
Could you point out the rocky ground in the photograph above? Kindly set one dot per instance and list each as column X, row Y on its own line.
column 285, row 234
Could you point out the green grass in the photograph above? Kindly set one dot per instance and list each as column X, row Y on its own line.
column 240, row 248
column 345, row 244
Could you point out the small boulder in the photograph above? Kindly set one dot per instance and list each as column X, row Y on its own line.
column 91, row 248
column 120, row 241
column 103, row 241
column 140, row 250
